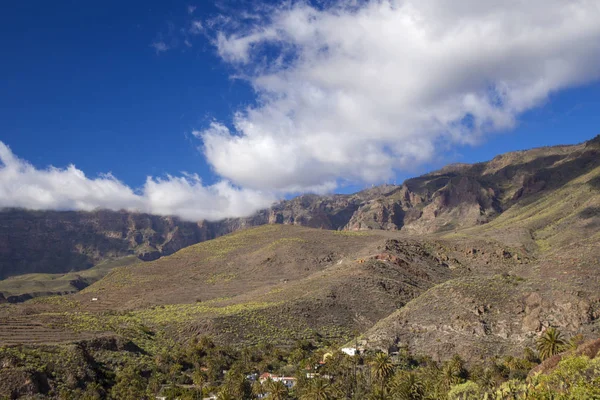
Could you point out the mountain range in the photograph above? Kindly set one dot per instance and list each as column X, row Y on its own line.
column 472, row 259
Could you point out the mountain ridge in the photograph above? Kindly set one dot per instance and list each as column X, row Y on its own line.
column 454, row 197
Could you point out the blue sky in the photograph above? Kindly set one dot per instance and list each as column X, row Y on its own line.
column 81, row 83
column 136, row 89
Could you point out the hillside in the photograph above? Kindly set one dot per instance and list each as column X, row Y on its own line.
column 500, row 313
column 458, row 196
column 296, row 281
column 476, row 258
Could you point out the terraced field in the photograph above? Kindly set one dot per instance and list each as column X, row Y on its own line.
column 37, row 330
column 274, row 282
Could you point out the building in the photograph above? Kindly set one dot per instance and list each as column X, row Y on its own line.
column 288, row 381
column 351, row 351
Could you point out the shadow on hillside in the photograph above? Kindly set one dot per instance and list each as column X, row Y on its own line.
column 595, row 183
column 590, row 212
column 551, row 177
column 52, row 242
column 593, row 226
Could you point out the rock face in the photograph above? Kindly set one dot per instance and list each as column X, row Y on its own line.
column 457, row 196
column 56, row 242
column 545, row 274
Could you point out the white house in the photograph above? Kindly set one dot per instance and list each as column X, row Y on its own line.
column 288, row 381
column 351, row 351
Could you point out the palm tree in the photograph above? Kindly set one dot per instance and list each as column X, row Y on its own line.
column 257, row 389
column 318, row 389
column 198, row 378
column 237, row 385
column 225, row 394
column 550, row 343
column 379, row 394
column 407, row 386
column 277, row 390
column 382, row 368
column 453, row 371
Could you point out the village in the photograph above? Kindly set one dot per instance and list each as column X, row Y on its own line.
column 266, row 379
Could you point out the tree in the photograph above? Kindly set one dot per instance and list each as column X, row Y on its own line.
column 379, row 393
column 550, row 343
column 318, row 389
column 453, row 371
column 382, row 368
column 465, row 391
column 576, row 377
column 257, row 389
column 225, row 394
column 407, row 386
column 277, row 390
column 237, row 385
column 129, row 385
column 93, row 391
column 513, row 389
column 198, row 378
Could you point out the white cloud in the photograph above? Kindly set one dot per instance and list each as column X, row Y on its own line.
column 22, row 185
column 191, row 9
column 347, row 94
column 160, row 46
column 356, row 93
column 196, row 27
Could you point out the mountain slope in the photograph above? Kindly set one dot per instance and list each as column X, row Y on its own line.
column 487, row 313
column 473, row 259
column 454, row 197
column 277, row 283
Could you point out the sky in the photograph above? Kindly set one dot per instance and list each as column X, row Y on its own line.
column 216, row 109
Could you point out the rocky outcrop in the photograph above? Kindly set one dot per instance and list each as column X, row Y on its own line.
column 483, row 313
column 18, row 383
column 457, row 196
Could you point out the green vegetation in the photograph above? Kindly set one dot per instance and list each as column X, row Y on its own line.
column 160, row 316
column 221, row 247
column 284, row 241
column 43, row 284
column 550, row 343
column 351, row 233
column 194, row 370
column 210, row 318
column 573, row 378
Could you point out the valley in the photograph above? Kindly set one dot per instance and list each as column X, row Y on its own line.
column 471, row 261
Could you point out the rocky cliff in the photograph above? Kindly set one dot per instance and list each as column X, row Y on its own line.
column 457, row 196
column 57, row 242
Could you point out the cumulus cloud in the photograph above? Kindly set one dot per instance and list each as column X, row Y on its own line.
column 359, row 92
column 22, row 185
